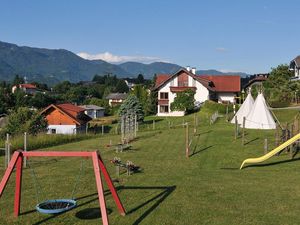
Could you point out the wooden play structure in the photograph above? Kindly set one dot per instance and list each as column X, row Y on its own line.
column 61, row 204
column 129, row 166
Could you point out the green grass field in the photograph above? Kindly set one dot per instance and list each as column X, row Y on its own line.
column 207, row 188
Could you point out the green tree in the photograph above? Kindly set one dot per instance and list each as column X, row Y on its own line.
column 62, row 87
column 18, row 80
column 184, row 101
column 121, row 86
column 40, row 100
column 99, row 102
column 25, row 120
column 140, row 79
column 132, row 105
column 279, row 87
column 143, row 96
column 20, row 99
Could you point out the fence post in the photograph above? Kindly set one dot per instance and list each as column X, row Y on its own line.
column 102, row 129
column 277, row 135
column 236, row 128
column 6, row 153
column 243, row 134
column 8, row 148
column 266, row 146
column 135, row 125
column 187, row 150
column 25, row 150
column 153, row 125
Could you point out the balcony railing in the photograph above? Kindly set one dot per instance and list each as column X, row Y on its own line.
column 182, row 88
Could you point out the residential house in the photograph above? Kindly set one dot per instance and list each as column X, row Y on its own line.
column 116, row 98
column 295, row 66
column 65, row 119
column 93, row 111
column 27, row 88
column 218, row 88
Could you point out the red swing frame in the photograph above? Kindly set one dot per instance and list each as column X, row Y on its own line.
column 17, row 161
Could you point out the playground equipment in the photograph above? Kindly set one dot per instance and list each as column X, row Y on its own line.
column 128, row 127
column 129, row 166
column 61, row 205
column 271, row 153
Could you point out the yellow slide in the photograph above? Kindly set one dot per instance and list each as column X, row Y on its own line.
column 271, row 153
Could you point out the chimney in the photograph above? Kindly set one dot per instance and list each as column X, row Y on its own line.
column 188, row 68
column 194, row 70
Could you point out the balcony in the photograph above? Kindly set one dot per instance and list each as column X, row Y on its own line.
column 182, row 88
column 163, row 102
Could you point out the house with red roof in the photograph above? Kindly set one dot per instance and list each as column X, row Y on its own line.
column 65, row 119
column 27, row 88
column 206, row 87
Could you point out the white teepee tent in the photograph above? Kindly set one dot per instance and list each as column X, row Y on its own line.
column 260, row 116
column 244, row 109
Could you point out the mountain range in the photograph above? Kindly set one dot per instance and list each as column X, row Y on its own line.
column 55, row 65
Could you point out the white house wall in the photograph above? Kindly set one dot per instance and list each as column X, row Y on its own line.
column 201, row 95
column 62, row 129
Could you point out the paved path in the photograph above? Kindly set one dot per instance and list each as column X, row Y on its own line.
column 291, row 107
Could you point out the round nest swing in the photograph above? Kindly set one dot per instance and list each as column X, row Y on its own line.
column 56, row 206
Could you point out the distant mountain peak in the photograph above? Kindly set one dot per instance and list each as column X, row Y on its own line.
column 55, row 65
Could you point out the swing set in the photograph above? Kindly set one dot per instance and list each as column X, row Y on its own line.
column 61, row 205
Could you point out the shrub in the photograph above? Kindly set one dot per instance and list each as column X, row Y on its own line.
column 212, row 106
column 279, row 104
column 44, row 140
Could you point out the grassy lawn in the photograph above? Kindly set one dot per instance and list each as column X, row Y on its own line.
column 207, row 188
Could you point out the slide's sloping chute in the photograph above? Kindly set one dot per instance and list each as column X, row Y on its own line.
column 271, row 153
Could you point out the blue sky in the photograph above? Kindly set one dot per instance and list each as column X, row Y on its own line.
column 249, row 36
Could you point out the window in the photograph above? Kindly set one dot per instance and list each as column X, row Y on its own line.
column 164, row 108
column 53, row 131
column 164, row 95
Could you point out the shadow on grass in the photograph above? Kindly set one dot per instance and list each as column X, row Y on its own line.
column 94, row 213
column 230, row 168
column 200, row 150
column 151, row 121
column 272, row 163
column 206, row 132
column 90, row 213
column 156, row 200
column 248, row 142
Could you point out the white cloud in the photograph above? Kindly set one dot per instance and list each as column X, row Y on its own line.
column 221, row 49
column 111, row 58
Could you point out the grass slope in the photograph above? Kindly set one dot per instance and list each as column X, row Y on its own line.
column 207, row 188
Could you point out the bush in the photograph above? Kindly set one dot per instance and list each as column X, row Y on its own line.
column 279, row 104
column 212, row 106
column 44, row 140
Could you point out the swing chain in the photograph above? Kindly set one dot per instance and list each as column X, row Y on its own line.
column 77, row 179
